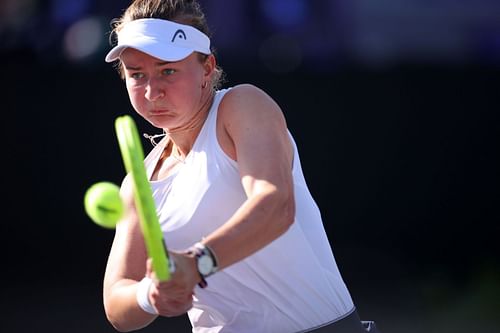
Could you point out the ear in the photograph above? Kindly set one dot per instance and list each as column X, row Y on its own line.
column 209, row 66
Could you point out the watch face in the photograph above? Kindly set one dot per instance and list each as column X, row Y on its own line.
column 205, row 265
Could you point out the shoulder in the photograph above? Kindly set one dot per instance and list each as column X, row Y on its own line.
column 247, row 100
column 247, row 114
column 244, row 89
column 245, row 94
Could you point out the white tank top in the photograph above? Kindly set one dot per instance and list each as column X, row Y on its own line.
column 290, row 285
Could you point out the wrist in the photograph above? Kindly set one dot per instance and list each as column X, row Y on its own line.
column 206, row 262
column 142, row 296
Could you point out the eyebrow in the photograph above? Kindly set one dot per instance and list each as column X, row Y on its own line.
column 158, row 64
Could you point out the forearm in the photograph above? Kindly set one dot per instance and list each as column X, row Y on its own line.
column 121, row 307
column 259, row 221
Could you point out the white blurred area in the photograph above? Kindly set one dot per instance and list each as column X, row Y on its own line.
column 67, row 30
column 83, row 38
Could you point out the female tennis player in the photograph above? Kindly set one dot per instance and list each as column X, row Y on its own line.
column 249, row 247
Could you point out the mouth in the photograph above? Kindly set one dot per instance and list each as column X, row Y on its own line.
column 159, row 112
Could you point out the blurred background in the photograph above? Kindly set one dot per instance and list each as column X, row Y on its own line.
column 394, row 107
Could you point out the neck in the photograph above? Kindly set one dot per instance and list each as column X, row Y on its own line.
column 196, row 120
column 182, row 137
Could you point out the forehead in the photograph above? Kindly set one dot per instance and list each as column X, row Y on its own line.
column 134, row 55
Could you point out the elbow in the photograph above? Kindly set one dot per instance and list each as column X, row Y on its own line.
column 119, row 326
column 126, row 321
column 115, row 323
column 116, row 320
column 120, row 307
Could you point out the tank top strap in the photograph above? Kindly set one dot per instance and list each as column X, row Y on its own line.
column 214, row 110
column 208, row 132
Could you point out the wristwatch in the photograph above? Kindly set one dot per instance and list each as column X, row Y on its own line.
column 206, row 262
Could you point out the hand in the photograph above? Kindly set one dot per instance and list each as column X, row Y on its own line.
column 175, row 296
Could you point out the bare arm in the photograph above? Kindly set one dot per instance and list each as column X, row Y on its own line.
column 252, row 130
column 126, row 266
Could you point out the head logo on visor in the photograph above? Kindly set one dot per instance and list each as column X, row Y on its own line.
column 179, row 33
column 162, row 39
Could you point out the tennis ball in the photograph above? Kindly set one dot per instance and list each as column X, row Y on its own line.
column 103, row 204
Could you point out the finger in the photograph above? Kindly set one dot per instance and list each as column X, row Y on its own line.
column 150, row 271
column 149, row 267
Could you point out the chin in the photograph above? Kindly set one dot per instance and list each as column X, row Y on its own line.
column 159, row 122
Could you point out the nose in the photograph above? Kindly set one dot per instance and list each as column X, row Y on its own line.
column 154, row 90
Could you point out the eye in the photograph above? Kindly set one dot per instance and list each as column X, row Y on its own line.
column 168, row 71
column 137, row 75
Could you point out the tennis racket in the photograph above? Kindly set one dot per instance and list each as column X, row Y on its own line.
column 133, row 159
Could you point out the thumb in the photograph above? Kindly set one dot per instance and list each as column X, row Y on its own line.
column 149, row 268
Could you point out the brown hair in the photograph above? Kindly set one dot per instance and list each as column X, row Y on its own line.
column 187, row 12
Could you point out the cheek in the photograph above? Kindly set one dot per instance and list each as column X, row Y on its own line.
column 135, row 97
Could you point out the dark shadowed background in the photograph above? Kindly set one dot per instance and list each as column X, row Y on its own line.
column 393, row 104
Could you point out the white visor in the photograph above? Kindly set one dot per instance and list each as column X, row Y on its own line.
column 162, row 39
